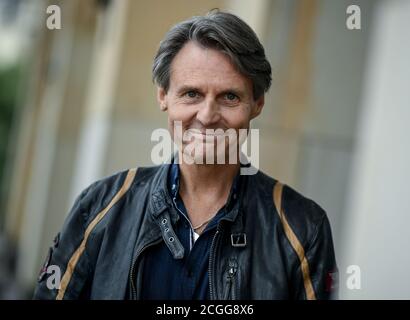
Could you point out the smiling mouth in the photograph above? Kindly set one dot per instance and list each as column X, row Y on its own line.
column 209, row 133
column 205, row 136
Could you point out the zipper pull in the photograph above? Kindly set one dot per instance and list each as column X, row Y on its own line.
column 230, row 289
column 233, row 267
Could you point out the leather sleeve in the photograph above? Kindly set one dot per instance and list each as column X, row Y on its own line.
column 59, row 255
column 321, row 263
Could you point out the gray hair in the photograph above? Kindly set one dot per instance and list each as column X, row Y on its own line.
column 222, row 31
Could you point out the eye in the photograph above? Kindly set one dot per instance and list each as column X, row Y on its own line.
column 231, row 96
column 191, row 94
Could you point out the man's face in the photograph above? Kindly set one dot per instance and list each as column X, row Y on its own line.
column 206, row 92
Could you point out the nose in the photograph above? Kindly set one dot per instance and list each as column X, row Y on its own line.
column 208, row 113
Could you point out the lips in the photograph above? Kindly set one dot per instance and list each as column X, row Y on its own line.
column 204, row 133
column 205, row 137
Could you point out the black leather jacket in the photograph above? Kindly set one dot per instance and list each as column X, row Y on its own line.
column 273, row 244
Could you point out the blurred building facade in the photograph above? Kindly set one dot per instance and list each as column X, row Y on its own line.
column 90, row 108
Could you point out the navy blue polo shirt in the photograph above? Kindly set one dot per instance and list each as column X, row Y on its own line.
column 166, row 278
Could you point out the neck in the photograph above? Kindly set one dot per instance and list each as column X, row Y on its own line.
column 204, row 188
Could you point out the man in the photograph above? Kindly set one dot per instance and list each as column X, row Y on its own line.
column 191, row 229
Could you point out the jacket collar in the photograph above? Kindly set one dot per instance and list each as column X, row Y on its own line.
column 165, row 216
column 161, row 200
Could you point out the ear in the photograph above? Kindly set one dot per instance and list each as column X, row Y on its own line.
column 257, row 107
column 161, row 97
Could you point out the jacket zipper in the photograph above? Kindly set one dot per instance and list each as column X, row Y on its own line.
column 233, row 267
column 211, row 263
column 132, row 271
column 191, row 244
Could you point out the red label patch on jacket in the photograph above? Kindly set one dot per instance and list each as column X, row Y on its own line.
column 43, row 270
column 331, row 282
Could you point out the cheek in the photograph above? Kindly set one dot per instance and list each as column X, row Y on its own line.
column 179, row 116
column 183, row 114
column 238, row 119
column 180, row 112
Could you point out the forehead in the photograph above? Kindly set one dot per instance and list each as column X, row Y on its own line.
column 204, row 67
